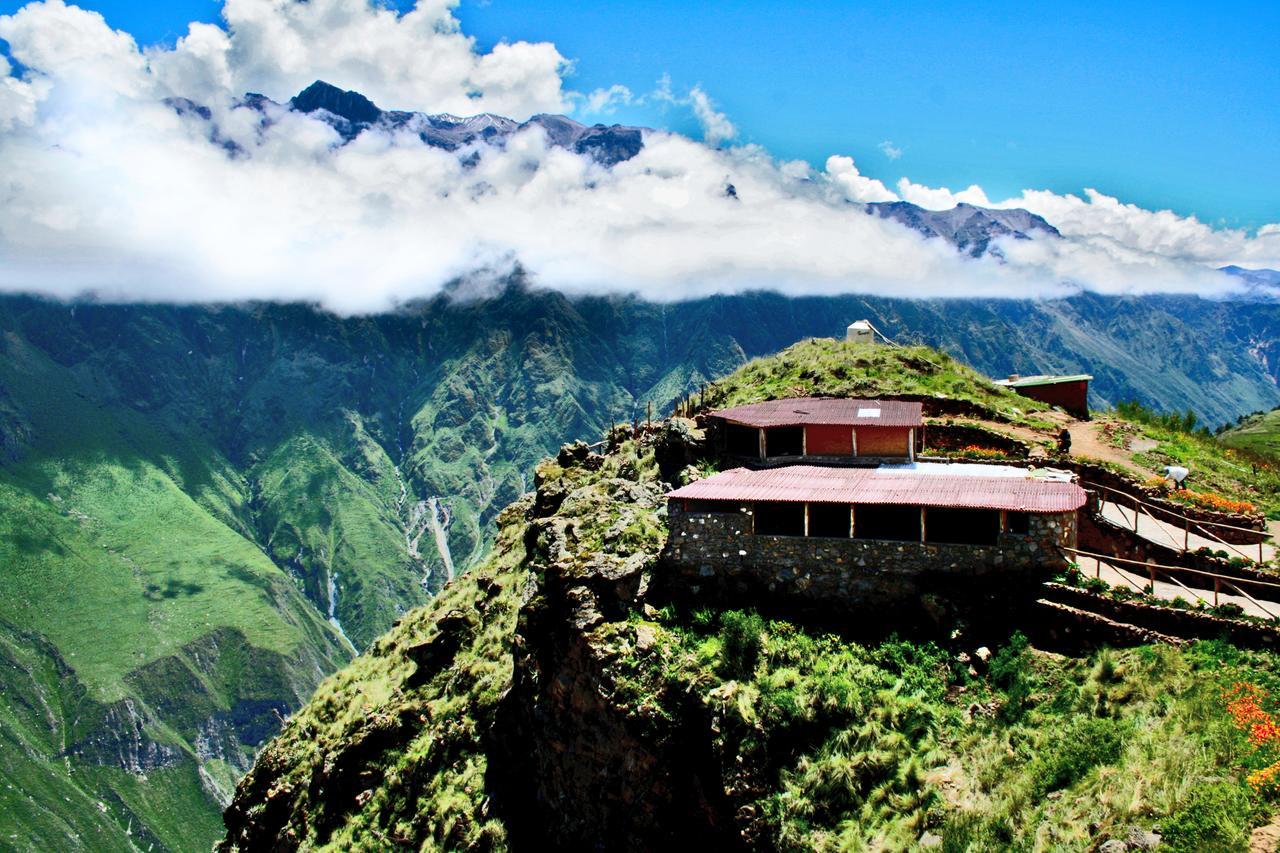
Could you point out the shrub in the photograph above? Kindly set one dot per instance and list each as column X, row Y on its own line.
column 1077, row 750
column 1215, row 816
column 1009, row 672
column 1229, row 611
column 1097, row 585
column 741, row 638
column 1072, row 576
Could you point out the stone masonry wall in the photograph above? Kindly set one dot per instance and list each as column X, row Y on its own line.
column 707, row 552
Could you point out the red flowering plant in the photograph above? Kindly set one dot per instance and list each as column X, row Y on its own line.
column 977, row 451
column 1246, row 706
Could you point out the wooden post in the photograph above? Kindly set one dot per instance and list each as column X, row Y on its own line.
column 764, row 447
column 1151, row 570
column 806, row 518
column 1216, row 584
column 1186, row 534
column 854, row 430
column 804, row 441
column 853, row 522
column 911, row 444
column 1136, row 510
column 922, row 525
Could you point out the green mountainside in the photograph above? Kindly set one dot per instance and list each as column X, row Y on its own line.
column 205, row 510
column 1258, row 432
column 550, row 699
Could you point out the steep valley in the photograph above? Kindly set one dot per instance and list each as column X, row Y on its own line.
column 205, row 511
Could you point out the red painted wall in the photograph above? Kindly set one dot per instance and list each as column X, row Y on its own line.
column 1072, row 396
column 884, row 441
column 828, row 440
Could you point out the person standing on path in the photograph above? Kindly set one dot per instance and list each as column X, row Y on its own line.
column 1064, row 442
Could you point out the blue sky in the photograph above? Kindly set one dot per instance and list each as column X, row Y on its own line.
column 1166, row 106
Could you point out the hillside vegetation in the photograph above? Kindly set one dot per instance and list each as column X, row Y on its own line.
column 829, row 367
column 544, row 699
column 197, row 504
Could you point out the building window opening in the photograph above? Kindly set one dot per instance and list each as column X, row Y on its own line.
column 893, row 523
column 784, row 441
column 713, row 507
column 742, row 441
column 829, row 520
column 962, row 526
column 779, row 519
column 1020, row 523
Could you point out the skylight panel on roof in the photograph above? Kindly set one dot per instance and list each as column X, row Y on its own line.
column 868, row 413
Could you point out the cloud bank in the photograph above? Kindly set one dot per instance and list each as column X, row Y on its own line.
column 108, row 189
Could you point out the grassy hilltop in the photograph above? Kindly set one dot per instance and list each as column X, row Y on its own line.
column 534, row 672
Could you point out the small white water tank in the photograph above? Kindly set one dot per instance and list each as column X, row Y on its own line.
column 861, row 332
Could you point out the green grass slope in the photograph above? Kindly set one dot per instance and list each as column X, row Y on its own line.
column 149, row 642
column 836, row 368
column 1258, row 433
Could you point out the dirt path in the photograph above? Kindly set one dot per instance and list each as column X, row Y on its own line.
column 1087, row 439
column 1265, row 839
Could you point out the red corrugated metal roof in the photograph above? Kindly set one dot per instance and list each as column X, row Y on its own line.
column 813, row 484
column 818, row 410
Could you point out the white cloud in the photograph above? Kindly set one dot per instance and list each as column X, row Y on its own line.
column 893, row 152
column 716, row 127
column 108, row 189
column 603, row 101
column 941, row 198
column 856, row 186
column 1102, row 219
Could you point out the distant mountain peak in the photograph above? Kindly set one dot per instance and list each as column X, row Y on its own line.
column 352, row 106
column 968, row 227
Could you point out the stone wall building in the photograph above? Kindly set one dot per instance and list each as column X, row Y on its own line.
column 868, row 538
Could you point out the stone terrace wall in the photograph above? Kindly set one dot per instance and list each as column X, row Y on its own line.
column 717, row 552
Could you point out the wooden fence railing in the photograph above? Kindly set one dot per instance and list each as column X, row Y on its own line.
column 1187, row 524
column 1156, row 572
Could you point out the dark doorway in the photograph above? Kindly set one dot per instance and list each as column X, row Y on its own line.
column 784, row 441
column 779, row 519
column 742, row 441
column 894, row 523
column 829, row 520
column 962, row 526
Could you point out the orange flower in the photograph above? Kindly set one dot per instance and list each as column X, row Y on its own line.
column 1244, row 706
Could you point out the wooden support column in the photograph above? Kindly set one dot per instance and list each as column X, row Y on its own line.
column 853, row 522
column 854, row 430
column 804, row 441
column 911, row 444
column 922, row 525
column 1004, row 521
column 806, row 518
column 763, row 446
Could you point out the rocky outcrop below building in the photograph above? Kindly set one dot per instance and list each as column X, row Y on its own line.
column 557, row 698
